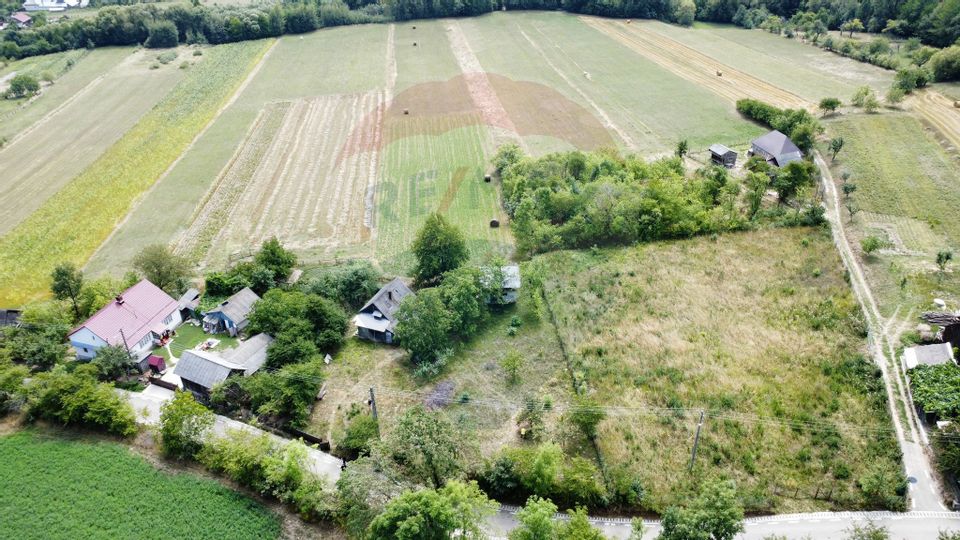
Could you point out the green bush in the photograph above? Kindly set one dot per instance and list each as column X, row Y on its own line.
column 162, row 35
column 945, row 65
column 362, row 430
column 545, row 471
column 167, row 57
column 23, row 85
column 78, row 399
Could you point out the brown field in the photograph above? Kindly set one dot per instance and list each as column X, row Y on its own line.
column 694, row 66
column 939, row 112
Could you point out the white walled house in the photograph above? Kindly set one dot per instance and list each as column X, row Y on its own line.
column 138, row 319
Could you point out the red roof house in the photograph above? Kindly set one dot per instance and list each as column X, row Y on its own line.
column 135, row 319
column 21, row 19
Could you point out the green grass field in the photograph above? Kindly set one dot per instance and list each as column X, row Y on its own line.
column 760, row 330
column 61, row 487
column 70, row 225
column 803, row 69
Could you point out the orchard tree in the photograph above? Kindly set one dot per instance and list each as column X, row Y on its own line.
column 67, row 284
column 853, row 25
column 183, row 423
column 829, row 105
column 455, row 510
column 682, row 148
column 943, row 259
column 871, row 244
column 836, row 144
column 163, row 268
column 439, row 247
column 112, row 362
column 23, row 85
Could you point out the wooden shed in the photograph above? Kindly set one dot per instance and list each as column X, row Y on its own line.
column 721, row 155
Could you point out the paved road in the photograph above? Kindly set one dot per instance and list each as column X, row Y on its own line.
column 321, row 463
column 924, row 485
column 818, row 526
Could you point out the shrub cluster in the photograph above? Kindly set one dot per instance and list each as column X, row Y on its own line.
column 798, row 124
column 78, row 399
column 937, row 389
column 270, row 266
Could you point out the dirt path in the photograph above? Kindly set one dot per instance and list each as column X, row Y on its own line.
column 924, row 485
column 607, row 121
column 939, row 111
column 696, row 67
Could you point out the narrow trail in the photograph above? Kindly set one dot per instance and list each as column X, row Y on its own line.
column 924, row 486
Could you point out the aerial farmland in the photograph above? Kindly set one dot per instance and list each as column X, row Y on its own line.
column 682, row 324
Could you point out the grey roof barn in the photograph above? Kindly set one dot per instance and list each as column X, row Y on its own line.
column 200, row 371
column 232, row 315
column 376, row 321
column 776, row 148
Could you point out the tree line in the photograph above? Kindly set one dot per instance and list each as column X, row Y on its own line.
column 931, row 21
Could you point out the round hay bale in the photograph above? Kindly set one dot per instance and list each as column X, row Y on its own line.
column 956, row 104
column 487, row 178
column 414, row 27
column 406, row 111
column 494, row 223
column 414, row 43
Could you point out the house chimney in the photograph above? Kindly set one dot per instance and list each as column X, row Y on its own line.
column 390, row 295
column 120, row 299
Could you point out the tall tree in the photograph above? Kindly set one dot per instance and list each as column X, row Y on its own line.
column 67, row 284
column 276, row 258
column 457, row 509
column 428, row 447
column 112, row 362
column 163, row 268
column 715, row 514
column 183, row 423
column 422, row 325
column 439, row 247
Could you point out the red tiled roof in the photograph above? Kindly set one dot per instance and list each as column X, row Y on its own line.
column 20, row 17
column 142, row 308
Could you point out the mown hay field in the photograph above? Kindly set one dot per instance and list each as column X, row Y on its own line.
column 72, row 71
column 758, row 329
column 54, row 487
column 348, row 60
column 788, row 63
column 38, row 161
column 71, row 224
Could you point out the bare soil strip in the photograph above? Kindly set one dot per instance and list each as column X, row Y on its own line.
column 607, row 121
column 696, row 67
column 482, row 93
column 939, row 111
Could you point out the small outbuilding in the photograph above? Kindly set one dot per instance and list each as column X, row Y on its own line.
column 376, row 320
column 776, row 148
column 928, row 355
column 188, row 303
column 9, row 317
column 21, row 19
column 232, row 315
column 721, row 155
column 200, row 371
column 509, row 284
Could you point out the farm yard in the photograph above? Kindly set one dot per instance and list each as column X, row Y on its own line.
column 47, row 482
column 760, row 330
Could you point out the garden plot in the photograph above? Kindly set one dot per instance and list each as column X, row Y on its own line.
column 302, row 175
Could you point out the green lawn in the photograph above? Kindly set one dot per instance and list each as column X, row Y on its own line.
column 760, row 330
column 62, row 487
column 189, row 336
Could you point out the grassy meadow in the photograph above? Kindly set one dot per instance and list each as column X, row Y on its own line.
column 53, row 487
column 760, row 330
column 71, row 224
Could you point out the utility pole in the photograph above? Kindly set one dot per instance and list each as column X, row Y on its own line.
column 696, row 442
column 124, row 338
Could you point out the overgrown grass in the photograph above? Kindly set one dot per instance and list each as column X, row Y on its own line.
column 760, row 330
column 53, row 487
column 71, row 224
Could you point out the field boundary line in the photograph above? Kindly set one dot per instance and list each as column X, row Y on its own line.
column 135, row 205
column 631, row 144
column 64, row 104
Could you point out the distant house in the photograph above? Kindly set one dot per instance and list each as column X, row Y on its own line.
column 376, row 321
column 776, row 148
column 137, row 319
column 721, row 155
column 54, row 5
column 928, row 355
column 200, row 371
column 232, row 315
column 9, row 317
column 188, row 303
column 21, row 19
